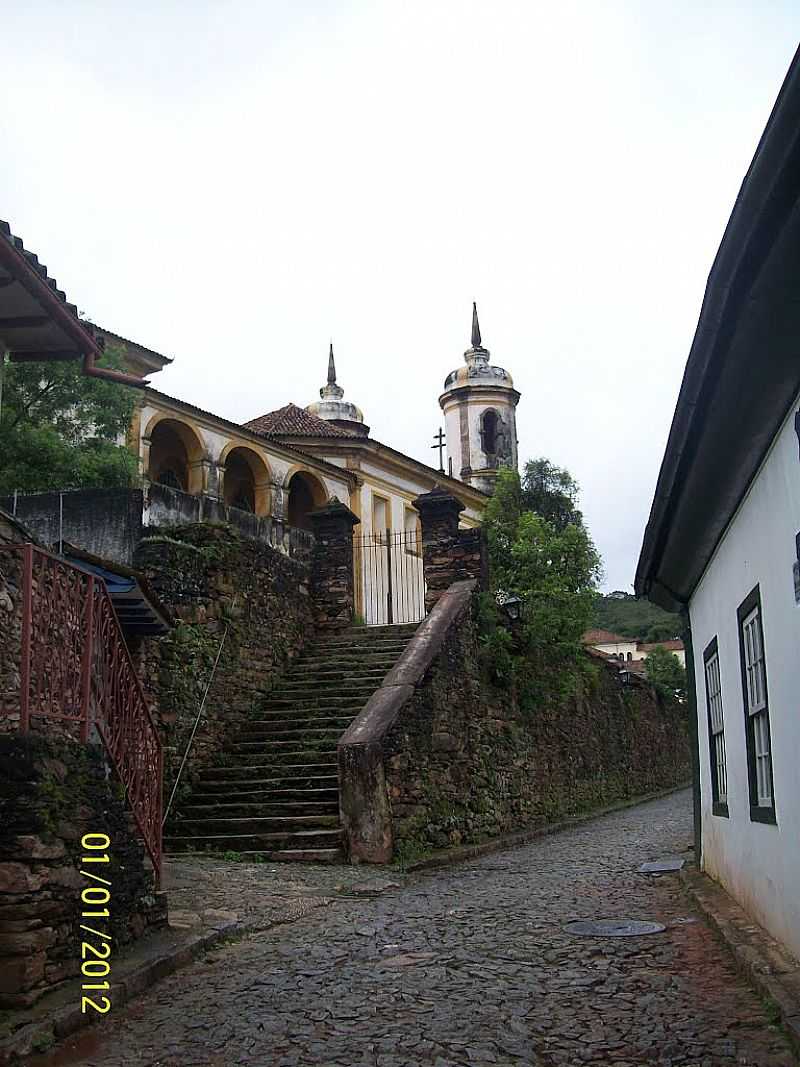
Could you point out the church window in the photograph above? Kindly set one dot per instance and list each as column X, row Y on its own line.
column 489, row 432
column 381, row 515
column 413, row 532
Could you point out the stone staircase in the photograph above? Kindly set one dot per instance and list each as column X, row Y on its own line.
column 274, row 793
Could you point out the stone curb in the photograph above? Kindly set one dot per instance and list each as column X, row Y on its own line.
column 446, row 857
column 760, row 958
column 64, row 1021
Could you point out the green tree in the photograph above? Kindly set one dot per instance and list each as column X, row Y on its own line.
column 60, row 429
column 551, row 492
column 552, row 566
column 664, row 671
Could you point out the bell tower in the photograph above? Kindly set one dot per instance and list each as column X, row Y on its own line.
column 479, row 404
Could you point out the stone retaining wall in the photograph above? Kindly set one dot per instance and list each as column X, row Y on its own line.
column 464, row 763
column 439, row 757
column 51, row 794
column 10, row 625
column 213, row 580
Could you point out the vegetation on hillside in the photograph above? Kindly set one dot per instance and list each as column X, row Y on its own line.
column 541, row 553
column 623, row 614
column 61, row 430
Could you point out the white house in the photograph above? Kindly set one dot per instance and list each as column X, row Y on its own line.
column 611, row 644
column 723, row 540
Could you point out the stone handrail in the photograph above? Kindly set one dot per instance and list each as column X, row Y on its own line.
column 363, row 798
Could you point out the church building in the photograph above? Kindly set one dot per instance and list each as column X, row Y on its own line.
column 285, row 463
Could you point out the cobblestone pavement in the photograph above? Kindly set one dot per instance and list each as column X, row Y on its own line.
column 470, row 965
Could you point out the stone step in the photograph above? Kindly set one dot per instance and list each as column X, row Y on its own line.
column 405, row 629
column 352, row 661
column 290, row 772
column 279, row 759
column 369, row 635
column 367, row 673
column 247, row 808
column 282, row 746
column 305, row 736
column 259, row 842
column 278, row 796
column 265, row 723
column 253, row 824
column 294, row 855
column 311, row 687
column 319, row 701
column 244, row 792
column 362, row 648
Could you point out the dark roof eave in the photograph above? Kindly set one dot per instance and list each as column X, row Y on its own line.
column 737, row 306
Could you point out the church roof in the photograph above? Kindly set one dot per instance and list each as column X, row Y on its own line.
column 292, row 421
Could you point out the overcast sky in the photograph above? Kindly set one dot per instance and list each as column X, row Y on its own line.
column 233, row 184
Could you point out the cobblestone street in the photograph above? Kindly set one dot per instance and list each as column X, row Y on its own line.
column 469, row 965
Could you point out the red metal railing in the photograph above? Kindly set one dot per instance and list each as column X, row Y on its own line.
column 74, row 667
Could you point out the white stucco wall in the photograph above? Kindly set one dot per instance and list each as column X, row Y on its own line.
column 616, row 648
column 475, row 407
column 758, row 863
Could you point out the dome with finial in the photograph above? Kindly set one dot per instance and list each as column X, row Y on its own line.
column 478, row 370
column 333, row 407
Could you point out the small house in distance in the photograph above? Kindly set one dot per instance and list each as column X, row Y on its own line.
column 630, row 649
column 722, row 544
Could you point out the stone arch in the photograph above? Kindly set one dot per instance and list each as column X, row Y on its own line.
column 490, row 424
column 176, row 454
column 305, row 494
column 246, row 479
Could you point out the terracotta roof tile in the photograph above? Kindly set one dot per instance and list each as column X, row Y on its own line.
column 605, row 637
column 671, row 646
column 292, row 421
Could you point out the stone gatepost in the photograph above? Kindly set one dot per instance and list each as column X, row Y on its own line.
column 332, row 578
column 448, row 554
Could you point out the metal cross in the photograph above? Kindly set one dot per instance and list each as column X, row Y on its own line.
column 439, row 438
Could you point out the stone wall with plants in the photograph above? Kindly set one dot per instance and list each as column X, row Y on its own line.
column 465, row 762
column 10, row 624
column 52, row 792
column 223, row 590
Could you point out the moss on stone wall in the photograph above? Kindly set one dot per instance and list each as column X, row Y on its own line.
column 219, row 585
column 465, row 762
column 52, row 792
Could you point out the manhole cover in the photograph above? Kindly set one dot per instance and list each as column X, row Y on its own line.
column 613, row 928
column 671, row 863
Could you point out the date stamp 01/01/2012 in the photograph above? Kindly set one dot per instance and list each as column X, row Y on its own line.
column 95, row 916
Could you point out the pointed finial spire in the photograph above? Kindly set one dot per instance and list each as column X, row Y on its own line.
column 476, row 330
column 331, row 368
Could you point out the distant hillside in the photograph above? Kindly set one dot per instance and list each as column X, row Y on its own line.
column 623, row 614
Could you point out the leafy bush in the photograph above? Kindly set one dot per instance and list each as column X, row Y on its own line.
column 665, row 673
column 551, row 564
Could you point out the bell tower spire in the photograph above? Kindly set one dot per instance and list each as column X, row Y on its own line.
column 476, row 329
column 334, row 408
column 479, row 404
column 331, row 368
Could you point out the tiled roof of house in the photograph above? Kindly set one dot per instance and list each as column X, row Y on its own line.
column 671, row 646
column 292, row 421
column 604, row 637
